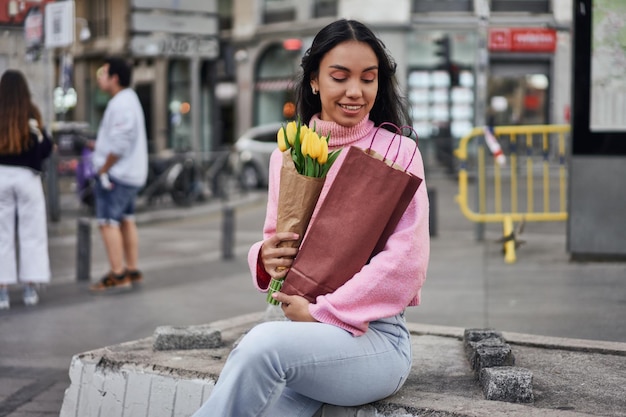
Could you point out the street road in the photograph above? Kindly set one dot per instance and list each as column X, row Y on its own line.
column 187, row 282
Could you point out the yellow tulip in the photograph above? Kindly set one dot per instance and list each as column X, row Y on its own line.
column 304, row 129
column 304, row 144
column 323, row 156
column 312, row 144
column 281, row 139
column 291, row 130
column 315, row 145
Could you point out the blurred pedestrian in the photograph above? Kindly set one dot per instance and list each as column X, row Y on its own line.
column 24, row 145
column 120, row 159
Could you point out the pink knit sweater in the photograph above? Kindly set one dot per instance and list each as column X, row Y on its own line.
column 392, row 279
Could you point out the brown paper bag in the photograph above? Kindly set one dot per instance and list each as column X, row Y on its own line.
column 361, row 210
column 297, row 197
column 403, row 203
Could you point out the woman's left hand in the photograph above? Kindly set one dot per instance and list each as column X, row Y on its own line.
column 295, row 307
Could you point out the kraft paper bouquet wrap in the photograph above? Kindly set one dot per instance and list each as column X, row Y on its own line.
column 361, row 210
column 306, row 160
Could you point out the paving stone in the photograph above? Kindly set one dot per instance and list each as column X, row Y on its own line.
column 476, row 335
column 186, row 337
column 491, row 352
column 507, row 383
column 472, row 336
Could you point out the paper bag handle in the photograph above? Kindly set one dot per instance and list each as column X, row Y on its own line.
column 398, row 131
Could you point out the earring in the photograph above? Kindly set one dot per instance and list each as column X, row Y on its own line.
column 314, row 90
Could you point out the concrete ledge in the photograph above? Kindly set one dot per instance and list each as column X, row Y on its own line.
column 132, row 379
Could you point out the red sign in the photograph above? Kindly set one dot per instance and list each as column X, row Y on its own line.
column 13, row 12
column 522, row 40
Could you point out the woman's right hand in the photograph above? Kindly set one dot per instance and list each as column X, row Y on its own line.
column 276, row 259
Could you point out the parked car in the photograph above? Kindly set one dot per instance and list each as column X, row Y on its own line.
column 251, row 156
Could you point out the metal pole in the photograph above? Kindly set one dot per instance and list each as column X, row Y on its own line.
column 52, row 178
column 228, row 231
column 83, row 250
column 432, row 214
column 482, row 74
column 52, row 186
column 196, row 105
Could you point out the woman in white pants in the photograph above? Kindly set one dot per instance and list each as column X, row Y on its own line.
column 23, row 234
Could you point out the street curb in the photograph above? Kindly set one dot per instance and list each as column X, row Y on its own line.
column 523, row 339
column 67, row 224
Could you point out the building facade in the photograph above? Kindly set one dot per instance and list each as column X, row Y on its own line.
column 207, row 70
column 461, row 63
column 175, row 49
column 21, row 48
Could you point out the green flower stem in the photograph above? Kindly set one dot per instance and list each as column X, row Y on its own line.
column 275, row 285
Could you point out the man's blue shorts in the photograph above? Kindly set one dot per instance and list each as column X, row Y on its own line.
column 115, row 205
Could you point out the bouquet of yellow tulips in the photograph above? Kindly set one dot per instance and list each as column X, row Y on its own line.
column 306, row 160
column 309, row 150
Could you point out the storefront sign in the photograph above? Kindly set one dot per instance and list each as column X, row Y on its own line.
column 175, row 46
column 202, row 6
column 196, row 24
column 522, row 40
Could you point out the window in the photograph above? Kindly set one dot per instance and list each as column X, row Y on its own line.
column 531, row 6
column 325, row 8
column 441, row 98
column 424, row 6
column 279, row 11
column 99, row 13
column 275, row 74
column 179, row 131
column 225, row 10
column 518, row 93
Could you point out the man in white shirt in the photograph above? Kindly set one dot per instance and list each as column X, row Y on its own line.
column 121, row 160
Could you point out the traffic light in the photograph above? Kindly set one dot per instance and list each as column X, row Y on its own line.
column 454, row 73
column 442, row 49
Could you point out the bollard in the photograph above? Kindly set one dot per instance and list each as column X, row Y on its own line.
column 432, row 212
column 52, row 187
column 83, row 250
column 228, row 231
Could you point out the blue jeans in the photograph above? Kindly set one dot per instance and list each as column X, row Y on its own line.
column 285, row 368
column 115, row 205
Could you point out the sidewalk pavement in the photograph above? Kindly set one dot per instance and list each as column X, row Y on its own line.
column 543, row 301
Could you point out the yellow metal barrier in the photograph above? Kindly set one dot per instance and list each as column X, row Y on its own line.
column 542, row 148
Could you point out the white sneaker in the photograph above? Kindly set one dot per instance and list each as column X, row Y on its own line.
column 4, row 299
column 30, row 295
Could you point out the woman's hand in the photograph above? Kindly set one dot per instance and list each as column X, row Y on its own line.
column 277, row 260
column 296, row 308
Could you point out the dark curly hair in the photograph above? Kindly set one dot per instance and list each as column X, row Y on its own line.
column 389, row 105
